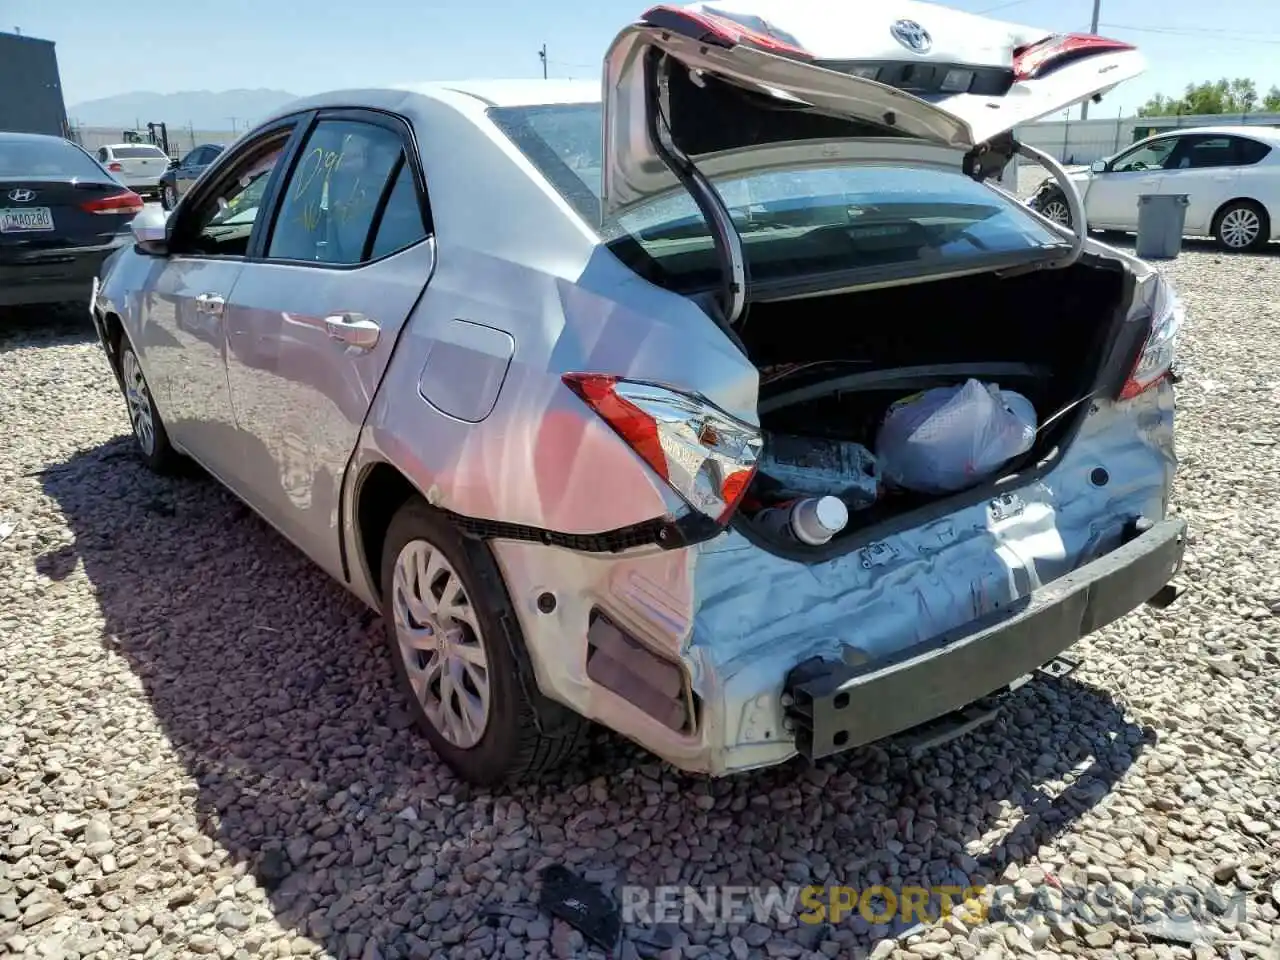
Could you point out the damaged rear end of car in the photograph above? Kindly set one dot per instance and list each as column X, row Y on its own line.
column 826, row 205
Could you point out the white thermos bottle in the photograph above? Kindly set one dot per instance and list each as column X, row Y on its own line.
column 812, row 521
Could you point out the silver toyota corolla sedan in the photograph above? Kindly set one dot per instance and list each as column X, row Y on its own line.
column 583, row 391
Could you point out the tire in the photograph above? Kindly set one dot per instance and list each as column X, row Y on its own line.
column 168, row 196
column 511, row 732
column 1242, row 225
column 150, row 437
column 1055, row 207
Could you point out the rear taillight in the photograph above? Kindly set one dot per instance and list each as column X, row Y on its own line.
column 725, row 29
column 115, row 167
column 1037, row 59
column 1156, row 359
column 705, row 455
column 127, row 202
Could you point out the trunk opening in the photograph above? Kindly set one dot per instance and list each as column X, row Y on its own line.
column 832, row 365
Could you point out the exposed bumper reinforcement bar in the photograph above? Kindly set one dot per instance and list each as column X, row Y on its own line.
column 836, row 706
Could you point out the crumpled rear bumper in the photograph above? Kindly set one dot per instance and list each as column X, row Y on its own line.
column 837, row 705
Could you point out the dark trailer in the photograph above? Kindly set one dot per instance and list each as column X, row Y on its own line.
column 30, row 87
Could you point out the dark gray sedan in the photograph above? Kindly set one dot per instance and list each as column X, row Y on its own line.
column 177, row 180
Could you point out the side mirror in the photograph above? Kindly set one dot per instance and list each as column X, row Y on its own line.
column 1098, row 166
column 150, row 232
column 173, row 162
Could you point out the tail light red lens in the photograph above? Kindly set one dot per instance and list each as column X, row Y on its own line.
column 703, row 453
column 127, row 202
column 1036, row 59
column 725, row 29
column 1157, row 356
column 115, row 167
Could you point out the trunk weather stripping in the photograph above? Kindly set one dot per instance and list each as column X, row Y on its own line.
column 728, row 242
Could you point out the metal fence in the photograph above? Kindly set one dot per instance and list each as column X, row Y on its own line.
column 181, row 139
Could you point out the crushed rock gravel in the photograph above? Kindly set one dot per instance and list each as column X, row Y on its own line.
column 201, row 751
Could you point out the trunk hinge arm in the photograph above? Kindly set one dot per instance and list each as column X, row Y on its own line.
column 990, row 159
column 728, row 241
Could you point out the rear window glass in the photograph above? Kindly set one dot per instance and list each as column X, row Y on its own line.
column 46, row 158
column 138, row 153
column 793, row 222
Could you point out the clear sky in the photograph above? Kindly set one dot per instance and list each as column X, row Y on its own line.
column 306, row 46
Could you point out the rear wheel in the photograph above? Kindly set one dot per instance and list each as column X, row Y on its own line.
column 450, row 630
column 1242, row 225
column 148, row 429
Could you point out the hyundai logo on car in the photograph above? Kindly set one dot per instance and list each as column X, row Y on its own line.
column 911, row 35
column 22, row 195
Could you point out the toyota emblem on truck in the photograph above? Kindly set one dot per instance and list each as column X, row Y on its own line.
column 911, row 35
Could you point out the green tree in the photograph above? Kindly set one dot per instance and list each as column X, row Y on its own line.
column 1224, row 96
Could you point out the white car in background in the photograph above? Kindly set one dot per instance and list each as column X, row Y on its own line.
column 1230, row 174
column 139, row 166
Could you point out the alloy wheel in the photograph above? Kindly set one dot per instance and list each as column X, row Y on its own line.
column 1240, row 228
column 1057, row 211
column 138, row 399
column 441, row 644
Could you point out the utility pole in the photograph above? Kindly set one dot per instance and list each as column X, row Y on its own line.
column 233, row 123
column 1093, row 28
column 543, row 55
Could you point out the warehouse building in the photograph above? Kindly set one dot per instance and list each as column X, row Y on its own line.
column 30, row 87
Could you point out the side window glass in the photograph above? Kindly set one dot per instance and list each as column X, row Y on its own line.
column 192, row 158
column 1206, row 152
column 1151, row 157
column 401, row 225
column 332, row 195
column 1250, row 152
column 102, row 154
column 222, row 223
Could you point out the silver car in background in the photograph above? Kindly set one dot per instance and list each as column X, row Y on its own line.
column 509, row 363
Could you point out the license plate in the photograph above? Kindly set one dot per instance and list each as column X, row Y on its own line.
column 26, row 220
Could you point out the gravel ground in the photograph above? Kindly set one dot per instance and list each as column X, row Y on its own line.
column 201, row 750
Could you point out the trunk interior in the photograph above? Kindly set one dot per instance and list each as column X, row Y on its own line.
column 831, row 367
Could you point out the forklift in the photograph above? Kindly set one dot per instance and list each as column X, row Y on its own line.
column 157, row 134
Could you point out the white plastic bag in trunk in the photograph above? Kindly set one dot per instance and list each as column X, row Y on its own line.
column 946, row 439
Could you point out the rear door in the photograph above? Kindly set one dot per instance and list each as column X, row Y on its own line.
column 1206, row 168
column 314, row 318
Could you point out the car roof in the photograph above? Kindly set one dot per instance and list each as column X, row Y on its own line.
column 1256, row 131
column 112, row 146
column 462, row 94
column 31, row 137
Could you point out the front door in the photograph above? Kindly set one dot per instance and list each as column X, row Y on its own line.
column 1111, row 200
column 185, row 319
column 313, row 321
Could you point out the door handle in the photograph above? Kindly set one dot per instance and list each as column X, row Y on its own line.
column 353, row 329
column 211, row 304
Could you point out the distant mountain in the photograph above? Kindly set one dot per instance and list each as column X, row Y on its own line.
column 203, row 109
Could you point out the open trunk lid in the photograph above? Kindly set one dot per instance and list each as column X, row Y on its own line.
column 895, row 68
column 733, row 82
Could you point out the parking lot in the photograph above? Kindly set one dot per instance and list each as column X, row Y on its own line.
column 201, row 751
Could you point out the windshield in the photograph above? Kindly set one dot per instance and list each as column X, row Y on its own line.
column 793, row 222
column 56, row 159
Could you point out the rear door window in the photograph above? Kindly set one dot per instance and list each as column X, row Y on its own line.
column 1201, row 153
column 1249, row 152
column 335, row 193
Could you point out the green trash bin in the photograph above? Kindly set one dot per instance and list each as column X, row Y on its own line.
column 1161, row 220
